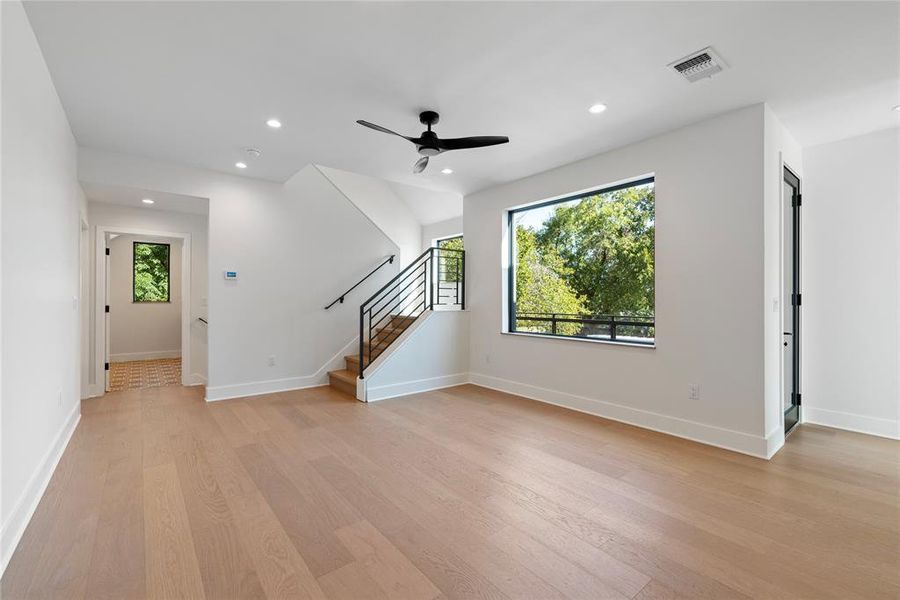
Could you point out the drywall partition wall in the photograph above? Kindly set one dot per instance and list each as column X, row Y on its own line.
column 40, row 220
column 295, row 246
column 433, row 354
column 851, row 284
column 442, row 229
column 377, row 200
column 128, row 218
column 142, row 330
column 709, row 290
column 780, row 150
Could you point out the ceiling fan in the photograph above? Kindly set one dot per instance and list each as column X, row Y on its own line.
column 429, row 144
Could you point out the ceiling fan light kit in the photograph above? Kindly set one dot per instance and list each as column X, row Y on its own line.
column 428, row 144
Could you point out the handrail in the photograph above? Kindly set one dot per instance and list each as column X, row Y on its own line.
column 407, row 295
column 397, row 276
column 372, row 272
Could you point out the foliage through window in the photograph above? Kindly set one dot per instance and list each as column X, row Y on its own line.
column 450, row 263
column 151, row 272
column 584, row 266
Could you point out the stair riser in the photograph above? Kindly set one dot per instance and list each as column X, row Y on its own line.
column 341, row 385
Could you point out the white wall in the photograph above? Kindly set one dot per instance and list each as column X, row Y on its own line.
column 441, row 229
column 296, row 247
column 780, row 149
column 125, row 218
column 851, row 283
column 378, row 201
column 434, row 353
column 41, row 203
column 143, row 330
column 709, row 286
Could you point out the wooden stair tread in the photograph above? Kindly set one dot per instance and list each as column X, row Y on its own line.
column 382, row 337
column 344, row 375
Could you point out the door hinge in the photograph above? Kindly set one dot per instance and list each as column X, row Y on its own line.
column 799, row 200
column 797, row 398
column 106, row 366
column 107, row 308
column 107, row 251
column 796, row 299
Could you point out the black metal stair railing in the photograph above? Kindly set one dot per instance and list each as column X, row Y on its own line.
column 437, row 277
column 388, row 260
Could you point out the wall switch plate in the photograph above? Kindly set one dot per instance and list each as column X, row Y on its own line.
column 693, row 391
column 272, row 360
column 58, row 397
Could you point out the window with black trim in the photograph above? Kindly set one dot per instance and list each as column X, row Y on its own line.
column 151, row 272
column 584, row 266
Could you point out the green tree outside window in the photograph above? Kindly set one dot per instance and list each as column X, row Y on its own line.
column 151, row 272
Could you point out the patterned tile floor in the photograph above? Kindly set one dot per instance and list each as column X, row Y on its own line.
column 136, row 374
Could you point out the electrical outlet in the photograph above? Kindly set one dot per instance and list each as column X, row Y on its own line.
column 58, row 397
column 271, row 360
column 487, row 359
column 693, row 391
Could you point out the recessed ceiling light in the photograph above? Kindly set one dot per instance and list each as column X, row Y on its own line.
column 596, row 109
column 274, row 123
column 446, row 171
column 147, row 201
column 240, row 165
column 897, row 108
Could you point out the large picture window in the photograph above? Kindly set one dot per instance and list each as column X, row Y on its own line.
column 583, row 266
column 151, row 272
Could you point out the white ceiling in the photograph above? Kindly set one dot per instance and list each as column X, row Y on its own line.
column 126, row 196
column 194, row 82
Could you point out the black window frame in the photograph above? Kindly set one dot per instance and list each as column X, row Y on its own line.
column 134, row 299
column 511, row 266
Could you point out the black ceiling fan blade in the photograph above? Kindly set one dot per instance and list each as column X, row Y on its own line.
column 383, row 129
column 479, row 141
column 420, row 165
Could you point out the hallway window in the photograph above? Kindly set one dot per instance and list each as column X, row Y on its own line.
column 151, row 272
column 584, row 266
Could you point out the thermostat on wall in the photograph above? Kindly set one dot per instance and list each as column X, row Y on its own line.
column 231, row 275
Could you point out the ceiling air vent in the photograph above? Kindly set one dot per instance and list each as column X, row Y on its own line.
column 699, row 65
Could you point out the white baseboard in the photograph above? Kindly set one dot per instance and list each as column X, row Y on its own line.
column 127, row 356
column 94, row 390
column 12, row 530
column 412, row 387
column 851, row 422
column 271, row 386
column 258, row 388
column 745, row 443
column 197, row 379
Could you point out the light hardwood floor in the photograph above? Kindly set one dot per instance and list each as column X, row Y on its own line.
column 460, row 493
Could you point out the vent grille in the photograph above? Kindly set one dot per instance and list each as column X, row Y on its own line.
column 699, row 65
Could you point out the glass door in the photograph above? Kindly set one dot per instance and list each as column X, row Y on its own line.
column 791, row 301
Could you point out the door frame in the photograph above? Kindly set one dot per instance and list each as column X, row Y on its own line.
column 100, row 328
column 793, row 415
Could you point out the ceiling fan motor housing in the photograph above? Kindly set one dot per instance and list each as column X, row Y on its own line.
column 428, row 145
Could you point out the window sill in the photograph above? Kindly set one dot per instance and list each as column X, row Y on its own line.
column 579, row 339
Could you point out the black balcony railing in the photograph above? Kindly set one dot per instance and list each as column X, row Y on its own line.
column 616, row 328
column 436, row 278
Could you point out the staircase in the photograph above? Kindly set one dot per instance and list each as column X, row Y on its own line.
column 344, row 380
column 435, row 279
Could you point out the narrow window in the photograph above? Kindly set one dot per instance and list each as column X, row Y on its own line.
column 151, row 272
column 583, row 266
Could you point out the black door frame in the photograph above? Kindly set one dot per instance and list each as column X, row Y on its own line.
column 792, row 414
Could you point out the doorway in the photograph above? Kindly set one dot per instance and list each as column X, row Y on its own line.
column 791, row 298
column 144, row 297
